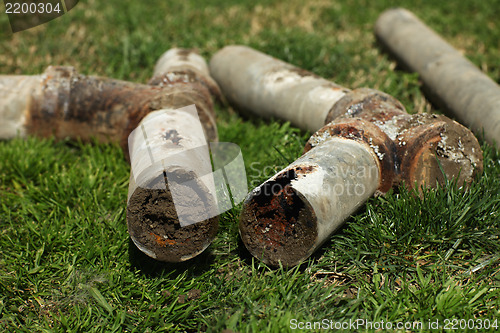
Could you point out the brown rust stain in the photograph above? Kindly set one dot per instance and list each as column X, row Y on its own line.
column 369, row 104
column 85, row 107
column 162, row 241
column 431, row 144
column 278, row 211
column 158, row 239
column 304, row 170
column 276, row 223
column 188, row 76
column 409, row 143
column 78, row 106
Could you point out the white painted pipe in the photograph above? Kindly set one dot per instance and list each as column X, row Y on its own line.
column 452, row 80
column 171, row 190
column 273, row 88
column 289, row 216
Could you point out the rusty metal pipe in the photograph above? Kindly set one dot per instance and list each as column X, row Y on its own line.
column 451, row 80
column 184, row 65
column 269, row 87
column 158, row 203
column 368, row 145
column 290, row 215
column 64, row 104
column 419, row 150
column 171, row 208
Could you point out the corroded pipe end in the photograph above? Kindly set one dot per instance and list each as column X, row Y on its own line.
column 276, row 223
column 292, row 214
column 362, row 130
column 153, row 223
column 413, row 146
column 432, row 147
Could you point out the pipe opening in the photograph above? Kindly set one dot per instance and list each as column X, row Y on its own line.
column 153, row 221
column 277, row 223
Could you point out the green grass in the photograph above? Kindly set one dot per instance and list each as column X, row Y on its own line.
column 65, row 259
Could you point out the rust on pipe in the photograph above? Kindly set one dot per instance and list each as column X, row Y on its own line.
column 423, row 145
column 450, row 79
column 171, row 213
column 184, row 65
column 365, row 143
column 270, row 87
column 65, row 104
column 285, row 219
column 155, row 211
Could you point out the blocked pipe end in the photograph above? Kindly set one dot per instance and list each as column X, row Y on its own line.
column 292, row 214
column 277, row 224
column 154, row 226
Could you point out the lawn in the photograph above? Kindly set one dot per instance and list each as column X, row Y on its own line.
column 66, row 263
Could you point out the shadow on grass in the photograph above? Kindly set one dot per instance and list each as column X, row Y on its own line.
column 153, row 268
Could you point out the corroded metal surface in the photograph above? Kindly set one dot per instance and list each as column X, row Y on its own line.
column 432, row 147
column 276, row 219
column 77, row 106
column 370, row 104
column 174, row 219
column 289, row 216
column 72, row 105
column 361, row 130
column 171, row 213
column 287, row 225
column 412, row 147
column 178, row 96
column 187, row 66
column 65, row 104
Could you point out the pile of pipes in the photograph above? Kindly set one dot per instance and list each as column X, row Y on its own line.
column 364, row 141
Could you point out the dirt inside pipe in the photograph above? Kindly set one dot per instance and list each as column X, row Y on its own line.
column 276, row 224
column 154, row 225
